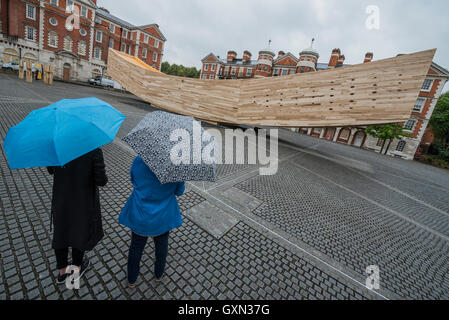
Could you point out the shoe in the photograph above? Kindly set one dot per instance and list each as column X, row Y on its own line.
column 61, row 278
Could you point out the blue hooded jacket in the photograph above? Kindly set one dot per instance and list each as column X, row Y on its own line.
column 152, row 209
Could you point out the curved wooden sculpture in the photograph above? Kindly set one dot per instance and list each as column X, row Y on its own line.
column 377, row 92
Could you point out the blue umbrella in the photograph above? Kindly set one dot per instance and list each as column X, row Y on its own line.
column 61, row 132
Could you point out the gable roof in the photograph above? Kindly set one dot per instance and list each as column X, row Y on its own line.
column 155, row 26
column 209, row 56
column 287, row 55
column 441, row 71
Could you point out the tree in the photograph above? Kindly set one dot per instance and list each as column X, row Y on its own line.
column 180, row 70
column 387, row 132
column 440, row 120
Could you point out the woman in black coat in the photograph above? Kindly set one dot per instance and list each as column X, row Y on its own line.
column 75, row 210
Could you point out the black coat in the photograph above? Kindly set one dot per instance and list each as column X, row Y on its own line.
column 75, row 206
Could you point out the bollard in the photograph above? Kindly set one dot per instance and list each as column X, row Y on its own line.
column 21, row 70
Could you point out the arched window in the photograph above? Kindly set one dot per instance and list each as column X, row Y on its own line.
column 53, row 39
column 68, row 43
column 82, row 48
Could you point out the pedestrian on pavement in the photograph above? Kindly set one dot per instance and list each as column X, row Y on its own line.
column 76, row 213
column 151, row 211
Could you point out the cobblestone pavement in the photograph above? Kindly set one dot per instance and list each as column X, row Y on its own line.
column 308, row 232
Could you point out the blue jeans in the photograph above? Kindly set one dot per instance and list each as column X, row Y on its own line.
column 135, row 255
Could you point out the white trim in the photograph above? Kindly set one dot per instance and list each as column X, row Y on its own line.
column 27, row 11
column 101, row 36
column 430, row 86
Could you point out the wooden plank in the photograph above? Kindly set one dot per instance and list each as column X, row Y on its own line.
column 377, row 92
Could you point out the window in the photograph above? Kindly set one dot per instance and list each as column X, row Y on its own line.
column 69, row 6
column 156, row 43
column 302, row 69
column 68, row 43
column 123, row 47
column 144, row 53
column 112, row 28
column 84, row 12
column 419, row 104
column 249, row 71
column 30, row 33
column 206, row 67
column 82, row 48
column 154, row 56
column 213, row 67
column 53, row 21
column 111, row 43
column 99, row 36
column 233, row 71
column 53, row 39
column 401, row 145
column 409, row 125
column 54, row 2
column 276, row 72
column 83, row 32
column 146, row 38
column 31, row 12
column 284, row 72
column 204, row 76
column 265, row 68
column 97, row 53
column 427, row 85
column 125, row 34
column 97, row 20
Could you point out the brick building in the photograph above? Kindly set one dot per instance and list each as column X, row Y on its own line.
column 270, row 65
column 47, row 32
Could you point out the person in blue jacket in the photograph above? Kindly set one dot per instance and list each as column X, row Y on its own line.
column 151, row 211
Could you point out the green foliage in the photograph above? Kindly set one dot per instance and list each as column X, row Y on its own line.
column 440, row 119
column 387, row 132
column 180, row 70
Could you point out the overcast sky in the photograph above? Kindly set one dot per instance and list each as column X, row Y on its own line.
column 194, row 28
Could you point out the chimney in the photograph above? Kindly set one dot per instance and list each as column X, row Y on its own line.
column 281, row 54
column 340, row 60
column 334, row 58
column 231, row 56
column 246, row 56
column 368, row 57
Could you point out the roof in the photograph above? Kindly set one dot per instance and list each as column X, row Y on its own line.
column 444, row 71
column 128, row 25
column 115, row 19
column 288, row 54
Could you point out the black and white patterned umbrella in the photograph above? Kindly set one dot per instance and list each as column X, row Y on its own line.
column 176, row 148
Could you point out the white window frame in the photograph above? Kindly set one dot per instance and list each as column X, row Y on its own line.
column 284, row 72
column 401, row 146
column 430, row 82
column 233, row 71
column 98, row 32
column 213, row 67
column 69, row 6
column 53, row 18
column 111, row 43
column 249, row 71
column 55, row 2
column 156, row 43
column 55, row 34
column 419, row 106
column 83, row 8
column 97, row 50
column 123, row 45
column 85, row 32
column 112, row 28
column 146, row 38
column 206, row 67
column 154, row 56
column 144, row 53
column 407, row 126
column 71, row 43
column 33, row 32
column 125, row 34
column 85, row 48
column 28, row 7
